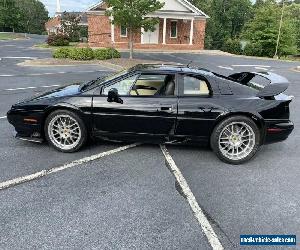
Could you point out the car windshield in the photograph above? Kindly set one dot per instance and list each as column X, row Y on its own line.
column 100, row 80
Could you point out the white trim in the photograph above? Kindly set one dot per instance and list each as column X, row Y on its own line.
column 121, row 32
column 174, row 21
column 192, row 7
column 94, row 5
column 185, row 3
column 181, row 16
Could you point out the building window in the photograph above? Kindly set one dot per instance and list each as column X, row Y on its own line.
column 173, row 32
column 123, row 31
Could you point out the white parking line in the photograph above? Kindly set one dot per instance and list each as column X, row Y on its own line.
column 200, row 216
column 19, row 57
column 43, row 173
column 2, row 117
column 245, row 65
column 46, row 86
column 55, row 73
column 261, row 68
column 224, row 67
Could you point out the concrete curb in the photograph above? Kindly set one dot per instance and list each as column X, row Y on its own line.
column 32, row 63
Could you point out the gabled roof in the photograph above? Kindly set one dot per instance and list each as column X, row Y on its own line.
column 95, row 6
column 193, row 7
column 184, row 4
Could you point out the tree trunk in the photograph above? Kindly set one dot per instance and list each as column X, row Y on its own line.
column 130, row 44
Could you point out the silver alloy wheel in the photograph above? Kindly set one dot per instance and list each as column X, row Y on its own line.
column 64, row 132
column 237, row 140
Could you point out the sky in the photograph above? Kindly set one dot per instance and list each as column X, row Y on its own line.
column 68, row 5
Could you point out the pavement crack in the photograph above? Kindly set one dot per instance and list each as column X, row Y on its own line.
column 216, row 225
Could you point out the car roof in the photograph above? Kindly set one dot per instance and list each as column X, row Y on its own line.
column 167, row 67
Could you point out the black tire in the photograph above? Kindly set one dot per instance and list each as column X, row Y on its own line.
column 82, row 138
column 217, row 148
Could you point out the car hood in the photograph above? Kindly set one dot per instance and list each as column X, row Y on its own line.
column 69, row 90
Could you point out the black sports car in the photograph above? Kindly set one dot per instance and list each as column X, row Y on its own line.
column 173, row 104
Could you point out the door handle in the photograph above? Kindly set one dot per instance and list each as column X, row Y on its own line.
column 206, row 109
column 166, row 108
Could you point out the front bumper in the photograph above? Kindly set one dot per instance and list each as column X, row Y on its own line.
column 277, row 130
column 27, row 130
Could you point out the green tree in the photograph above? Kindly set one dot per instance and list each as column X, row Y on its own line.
column 293, row 11
column 9, row 15
column 262, row 31
column 227, row 19
column 33, row 16
column 70, row 25
column 131, row 13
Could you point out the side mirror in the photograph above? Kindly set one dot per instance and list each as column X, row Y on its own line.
column 113, row 96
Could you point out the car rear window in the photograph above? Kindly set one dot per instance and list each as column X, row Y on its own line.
column 258, row 82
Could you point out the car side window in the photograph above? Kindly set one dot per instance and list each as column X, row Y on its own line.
column 154, row 85
column 123, row 86
column 195, row 86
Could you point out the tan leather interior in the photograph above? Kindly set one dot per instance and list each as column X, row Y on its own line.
column 157, row 84
column 203, row 89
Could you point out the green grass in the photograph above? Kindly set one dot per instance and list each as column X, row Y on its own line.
column 10, row 36
column 46, row 46
column 291, row 58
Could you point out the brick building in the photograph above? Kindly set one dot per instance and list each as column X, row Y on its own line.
column 181, row 26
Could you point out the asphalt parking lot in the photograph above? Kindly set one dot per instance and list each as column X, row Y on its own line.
column 129, row 199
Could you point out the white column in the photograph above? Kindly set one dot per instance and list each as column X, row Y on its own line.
column 164, row 30
column 142, row 35
column 192, row 32
column 112, row 29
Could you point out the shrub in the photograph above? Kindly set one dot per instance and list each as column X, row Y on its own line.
column 232, row 46
column 61, row 53
column 250, row 50
column 86, row 53
column 58, row 40
column 108, row 53
column 253, row 49
column 114, row 53
column 81, row 54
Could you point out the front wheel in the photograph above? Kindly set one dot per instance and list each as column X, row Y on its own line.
column 236, row 140
column 65, row 131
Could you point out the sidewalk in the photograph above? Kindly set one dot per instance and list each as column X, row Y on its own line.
column 203, row 52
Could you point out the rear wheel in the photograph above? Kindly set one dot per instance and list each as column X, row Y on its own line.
column 236, row 140
column 65, row 131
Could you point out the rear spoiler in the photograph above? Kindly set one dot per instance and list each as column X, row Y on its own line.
column 278, row 84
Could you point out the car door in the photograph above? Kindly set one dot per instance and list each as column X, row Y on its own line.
column 143, row 108
column 198, row 108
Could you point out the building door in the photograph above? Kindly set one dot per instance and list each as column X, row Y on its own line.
column 151, row 37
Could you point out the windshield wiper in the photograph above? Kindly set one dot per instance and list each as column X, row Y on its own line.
column 90, row 83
